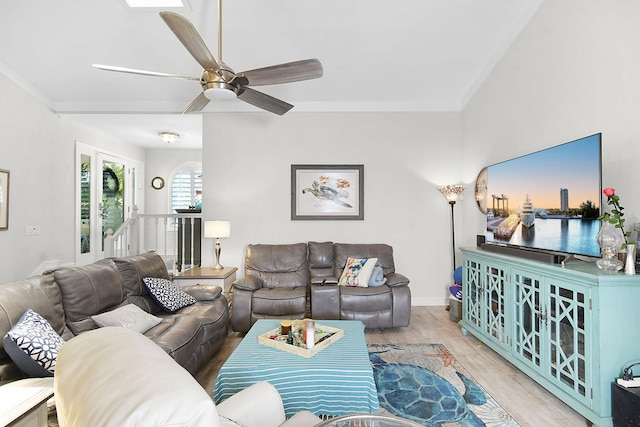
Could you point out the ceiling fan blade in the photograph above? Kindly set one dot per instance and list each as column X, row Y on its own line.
column 189, row 37
column 296, row 71
column 264, row 101
column 143, row 72
column 197, row 104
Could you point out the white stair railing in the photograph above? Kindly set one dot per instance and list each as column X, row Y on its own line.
column 176, row 237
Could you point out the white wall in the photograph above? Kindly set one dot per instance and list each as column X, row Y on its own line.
column 38, row 147
column 574, row 71
column 247, row 180
column 164, row 163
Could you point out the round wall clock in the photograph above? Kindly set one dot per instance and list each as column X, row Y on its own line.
column 481, row 190
column 157, row 183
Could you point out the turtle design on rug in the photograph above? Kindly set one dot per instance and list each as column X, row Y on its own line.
column 419, row 394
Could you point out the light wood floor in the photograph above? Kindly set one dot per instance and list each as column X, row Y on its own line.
column 527, row 402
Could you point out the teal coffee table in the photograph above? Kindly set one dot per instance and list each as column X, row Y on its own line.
column 336, row 381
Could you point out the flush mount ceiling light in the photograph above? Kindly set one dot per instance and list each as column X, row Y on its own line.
column 169, row 137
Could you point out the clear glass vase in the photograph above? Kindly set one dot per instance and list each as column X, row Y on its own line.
column 610, row 240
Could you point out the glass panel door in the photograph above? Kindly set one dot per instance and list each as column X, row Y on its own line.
column 529, row 316
column 106, row 189
column 85, row 203
column 568, row 311
column 473, row 289
column 112, row 207
column 494, row 308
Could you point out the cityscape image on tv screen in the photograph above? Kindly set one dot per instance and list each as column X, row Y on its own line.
column 548, row 200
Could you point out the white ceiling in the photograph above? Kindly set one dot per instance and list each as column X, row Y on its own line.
column 403, row 55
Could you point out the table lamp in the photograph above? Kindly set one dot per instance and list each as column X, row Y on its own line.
column 217, row 229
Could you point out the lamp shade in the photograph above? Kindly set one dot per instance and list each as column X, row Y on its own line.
column 216, row 229
column 451, row 192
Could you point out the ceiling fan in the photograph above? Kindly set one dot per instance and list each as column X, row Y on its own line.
column 219, row 81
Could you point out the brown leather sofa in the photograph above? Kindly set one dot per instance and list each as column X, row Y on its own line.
column 68, row 297
column 280, row 281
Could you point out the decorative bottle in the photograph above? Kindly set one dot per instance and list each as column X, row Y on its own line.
column 610, row 240
column 630, row 260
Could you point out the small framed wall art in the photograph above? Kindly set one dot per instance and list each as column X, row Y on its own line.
column 327, row 192
column 4, row 199
column 157, row 183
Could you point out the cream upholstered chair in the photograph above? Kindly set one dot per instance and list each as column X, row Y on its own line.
column 116, row 377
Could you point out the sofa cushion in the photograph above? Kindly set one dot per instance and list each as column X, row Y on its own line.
column 167, row 295
column 321, row 256
column 278, row 265
column 42, row 295
column 33, row 345
column 382, row 251
column 366, row 299
column 357, row 272
column 128, row 316
column 377, row 277
column 103, row 367
column 89, row 290
column 135, row 268
column 279, row 301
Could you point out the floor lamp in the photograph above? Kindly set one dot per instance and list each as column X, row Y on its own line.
column 451, row 192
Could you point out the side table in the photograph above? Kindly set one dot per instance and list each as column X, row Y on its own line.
column 207, row 276
column 626, row 406
column 24, row 406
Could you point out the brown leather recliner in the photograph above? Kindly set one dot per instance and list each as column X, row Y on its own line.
column 385, row 306
column 274, row 285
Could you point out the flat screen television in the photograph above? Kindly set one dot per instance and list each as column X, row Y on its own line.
column 548, row 200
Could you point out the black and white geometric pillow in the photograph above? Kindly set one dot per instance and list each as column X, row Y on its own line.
column 33, row 345
column 168, row 296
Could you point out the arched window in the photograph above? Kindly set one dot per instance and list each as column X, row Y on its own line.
column 186, row 185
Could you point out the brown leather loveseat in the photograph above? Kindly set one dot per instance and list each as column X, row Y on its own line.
column 291, row 281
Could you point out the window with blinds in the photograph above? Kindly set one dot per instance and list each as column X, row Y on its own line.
column 184, row 189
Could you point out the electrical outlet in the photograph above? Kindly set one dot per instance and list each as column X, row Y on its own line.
column 32, row 230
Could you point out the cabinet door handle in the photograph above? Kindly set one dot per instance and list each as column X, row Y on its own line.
column 543, row 316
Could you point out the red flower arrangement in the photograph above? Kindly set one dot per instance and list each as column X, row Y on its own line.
column 616, row 215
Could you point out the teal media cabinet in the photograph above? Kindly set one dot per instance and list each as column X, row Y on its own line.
column 571, row 328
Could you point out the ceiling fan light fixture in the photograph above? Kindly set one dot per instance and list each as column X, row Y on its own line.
column 169, row 137
column 154, row 3
column 220, row 94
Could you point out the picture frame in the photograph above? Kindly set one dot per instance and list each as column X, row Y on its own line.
column 327, row 192
column 4, row 199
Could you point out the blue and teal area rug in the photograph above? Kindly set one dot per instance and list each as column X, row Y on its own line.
column 426, row 384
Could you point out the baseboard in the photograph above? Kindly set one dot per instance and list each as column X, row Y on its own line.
column 429, row 302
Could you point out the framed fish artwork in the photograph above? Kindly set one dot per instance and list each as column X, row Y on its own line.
column 327, row 192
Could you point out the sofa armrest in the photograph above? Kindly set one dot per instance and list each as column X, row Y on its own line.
column 203, row 292
column 248, row 283
column 325, row 302
column 324, row 280
column 258, row 405
column 397, row 279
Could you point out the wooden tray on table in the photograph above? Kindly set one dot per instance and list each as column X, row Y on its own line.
column 324, row 337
